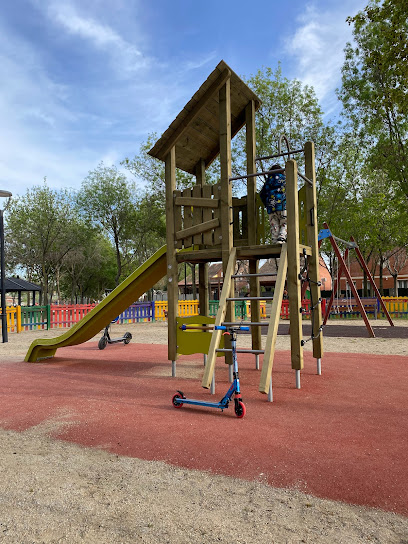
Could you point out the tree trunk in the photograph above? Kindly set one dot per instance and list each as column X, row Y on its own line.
column 118, row 260
column 395, row 278
column 365, row 284
column 381, row 275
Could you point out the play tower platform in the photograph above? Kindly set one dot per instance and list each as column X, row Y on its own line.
column 206, row 223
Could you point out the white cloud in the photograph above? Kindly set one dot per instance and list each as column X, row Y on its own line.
column 126, row 55
column 317, row 47
column 63, row 112
column 200, row 62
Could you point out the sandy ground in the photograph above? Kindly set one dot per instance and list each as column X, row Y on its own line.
column 56, row 492
column 156, row 333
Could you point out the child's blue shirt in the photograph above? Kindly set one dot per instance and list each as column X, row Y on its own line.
column 273, row 193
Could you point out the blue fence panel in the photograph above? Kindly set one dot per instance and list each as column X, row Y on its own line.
column 140, row 311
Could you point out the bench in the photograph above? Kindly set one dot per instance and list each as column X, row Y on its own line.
column 349, row 307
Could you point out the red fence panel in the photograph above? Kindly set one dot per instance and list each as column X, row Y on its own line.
column 69, row 314
column 305, row 305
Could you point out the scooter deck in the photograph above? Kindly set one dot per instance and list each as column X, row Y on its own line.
column 201, row 403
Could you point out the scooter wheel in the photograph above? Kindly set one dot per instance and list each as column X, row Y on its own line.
column 102, row 342
column 240, row 409
column 177, row 404
column 127, row 338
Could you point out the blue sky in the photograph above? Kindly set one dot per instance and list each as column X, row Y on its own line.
column 84, row 82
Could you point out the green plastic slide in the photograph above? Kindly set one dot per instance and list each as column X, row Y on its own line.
column 142, row 279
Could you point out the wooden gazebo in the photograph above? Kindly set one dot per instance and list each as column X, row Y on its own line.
column 18, row 285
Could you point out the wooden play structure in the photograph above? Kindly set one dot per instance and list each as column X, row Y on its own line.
column 207, row 224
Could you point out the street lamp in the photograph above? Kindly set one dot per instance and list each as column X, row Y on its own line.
column 3, row 194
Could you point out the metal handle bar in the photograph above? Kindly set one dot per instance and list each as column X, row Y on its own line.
column 215, row 327
column 224, row 328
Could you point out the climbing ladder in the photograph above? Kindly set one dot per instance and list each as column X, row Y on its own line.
column 265, row 385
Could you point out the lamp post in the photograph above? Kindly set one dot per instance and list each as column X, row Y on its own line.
column 3, row 194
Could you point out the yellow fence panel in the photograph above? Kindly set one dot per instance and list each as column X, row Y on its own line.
column 186, row 308
column 396, row 306
column 160, row 310
column 262, row 306
column 13, row 316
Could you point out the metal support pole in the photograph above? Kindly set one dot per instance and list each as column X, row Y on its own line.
column 3, row 286
column 230, row 373
column 270, row 392
column 265, row 173
column 319, row 367
column 173, row 369
column 297, row 379
column 256, row 362
column 212, row 388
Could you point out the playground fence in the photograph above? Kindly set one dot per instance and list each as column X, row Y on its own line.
column 68, row 315
column 186, row 308
column 34, row 317
column 306, row 308
column 397, row 307
column 28, row 318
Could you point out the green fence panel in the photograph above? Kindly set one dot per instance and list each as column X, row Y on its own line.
column 240, row 308
column 35, row 317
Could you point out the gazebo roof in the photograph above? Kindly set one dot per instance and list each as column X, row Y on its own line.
column 17, row 284
column 195, row 131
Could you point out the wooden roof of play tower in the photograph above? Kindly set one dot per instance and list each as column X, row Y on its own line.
column 195, row 131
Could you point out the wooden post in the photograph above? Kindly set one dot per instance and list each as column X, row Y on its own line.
column 251, row 169
column 266, row 373
column 254, row 289
column 227, row 240
column 312, row 241
column 172, row 267
column 200, row 172
column 203, row 294
column 225, row 161
column 216, row 335
column 295, row 302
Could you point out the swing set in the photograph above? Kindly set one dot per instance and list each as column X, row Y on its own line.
column 350, row 304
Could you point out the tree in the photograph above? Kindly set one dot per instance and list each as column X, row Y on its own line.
column 374, row 88
column 395, row 262
column 288, row 107
column 150, row 227
column 90, row 268
column 108, row 200
column 379, row 220
column 41, row 231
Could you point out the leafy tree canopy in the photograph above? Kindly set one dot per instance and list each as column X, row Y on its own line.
column 108, row 200
column 42, row 229
column 375, row 84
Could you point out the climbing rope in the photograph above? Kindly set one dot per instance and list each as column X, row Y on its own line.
column 304, row 277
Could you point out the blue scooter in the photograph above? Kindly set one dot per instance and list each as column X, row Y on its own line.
column 179, row 399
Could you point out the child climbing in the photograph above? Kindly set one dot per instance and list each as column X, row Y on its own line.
column 273, row 196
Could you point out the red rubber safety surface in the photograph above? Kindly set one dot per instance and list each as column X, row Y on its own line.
column 343, row 436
